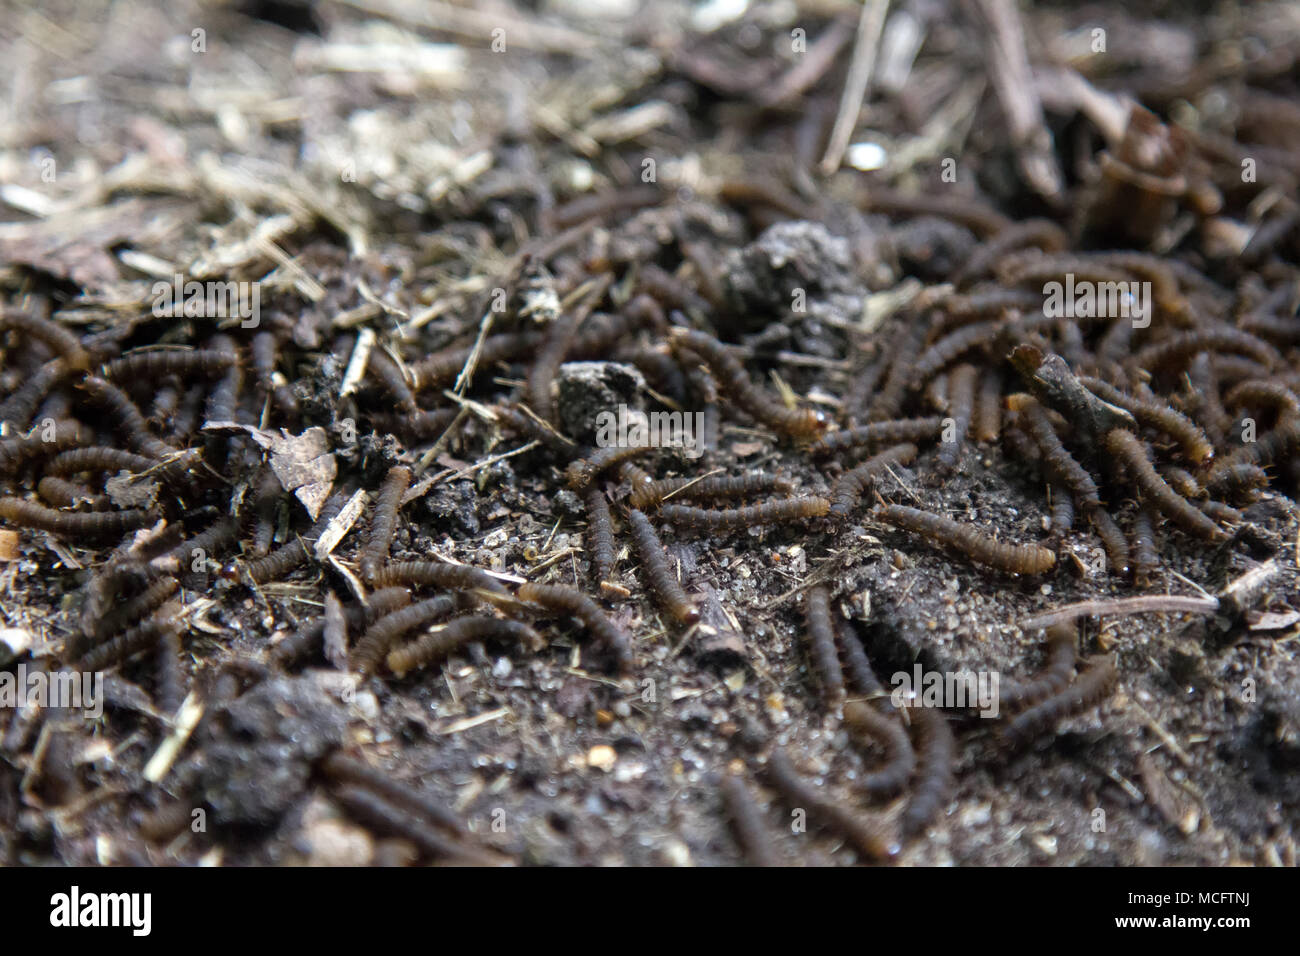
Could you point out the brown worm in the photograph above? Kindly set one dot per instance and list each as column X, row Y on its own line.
column 1062, row 510
column 1177, row 349
column 954, row 345
column 580, row 474
column 1015, row 558
column 133, row 609
column 223, row 399
column 442, row 368
column 74, row 524
column 19, row 407
column 1088, row 690
column 1041, row 233
column 647, row 492
column 381, row 368
column 68, row 494
column 1112, row 538
column 1263, row 394
column 126, row 417
column 170, row 683
column 1143, row 555
column 746, row 822
column 795, row 422
column 600, row 530
column 446, row 640
column 867, row 837
column 987, row 423
column 1014, row 695
column 64, row 436
column 857, row 666
column 901, row 374
column 971, row 213
column 574, row 603
column 851, row 485
column 1239, row 480
column 1126, row 447
column 144, row 636
column 878, row 433
column 821, row 646
column 384, row 520
column 961, row 409
column 384, row 633
column 375, row 811
column 98, row 458
column 936, row 754
column 1157, row 415
column 434, row 574
column 1058, row 461
column 660, row 577
column 769, row 512
column 158, row 363
column 62, row 342
column 867, row 726
column 344, row 769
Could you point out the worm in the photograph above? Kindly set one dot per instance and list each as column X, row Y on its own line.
column 340, row 767
column 170, row 684
column 209, row 542
column 133, row 609
column 961, row 407
column 1257, row 393
column 297, row 645
column 821, row 646
column 1209, row 409
column 1278, row 444
column 223, row 400
column 857, row 666
column 67, row 434
column 381, row 367
column 98, row 458
column 769, row 512
column 1182, row 346
column 264, row 353
column 936, row 752
column 986, row 302
column 442, row 368
column 294, row 553
column 660, row 369
column 988, row 407
column 142, row 637
column 865, row 836
column 901, row 375
column 62, row 342
column 375, row 811
column 434, row 574
column 158, row 363
column 437, row 644
column 19, row 407
column 580, row 474
column 384, row 633
column 1220, row 512
column 1058, row 461
column 1112, row 538
column 868, row 726
column 1155, row 414
column 574, row 603
column 1126, row 447
column 952, row 346
column 1041, row 233
column 1062, row 510
column 647, row 492
column 746, row 822
column 1088, row 690
column 794, row 422
column 384, row 521
column 660, row 577
column 878, row 433
column 72, row 524
column 1185, row 483
column 1015, row 558
column 1143, row 556
column 67, row 494
column 601, row 534
column 126, row 417
column 1239, row 480
column 851, row 485
column 973, row 214
column 554, row 346
column 862, row 385
column 1056, row 672
column 598, row 206
column 418, row 424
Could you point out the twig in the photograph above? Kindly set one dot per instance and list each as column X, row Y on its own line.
column 855, row 85
column 1153, row 604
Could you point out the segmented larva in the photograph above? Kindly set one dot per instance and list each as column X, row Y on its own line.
column 294, row 553
column 344, row 769
column 384, row 521
column 442, row 368
column 1091, row 687
column 862, row 385
column 208, row 543
column 868, row 726
column 68, row 494
column 68, row 434
column 157, row 363
column 440, row 643
column 660, row 369
column 940, row 529
column 878, row 433
column 1112, row 538
column 985, row 302
column 1183, row 482
column 1062, row 509
column 1143, row 556
column 1207, row 406
column 988, row 407
column 1170, row 353
column 170, row 684
column 1155, row 414
column 659, row 573
column 375, row 811
column 850, row 486
column 795, row 422
column 866, row 836
column 223, row 400
column 62, row 342
column 574, row 603
column 601, row 534
column 857, row 667
column 821, row 646
column 126, row 417
column 384, row 633
column 554, row 346
column 646, row 492
column 155, row 594
column 89, row 524
column 1041, row 233
column 1034, row 268
column 972, row 214
column 433, row 574
column 1254, row 393
column 583, row 472
column 1278, row 444
column 901, row 375
column 98, row 458
column 961, row 408
column 20, row 406
column 142, row 637
column 419, row 424
column 936, row 752
column 952, row 346
column 1058, row 460
column 1219, row 511
column 1239, row 480
column 1127, row 448
column 746, row 821
column 769, row 512
column 1014, row 695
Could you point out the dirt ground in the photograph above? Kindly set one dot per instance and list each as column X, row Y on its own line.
column 377, row 167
